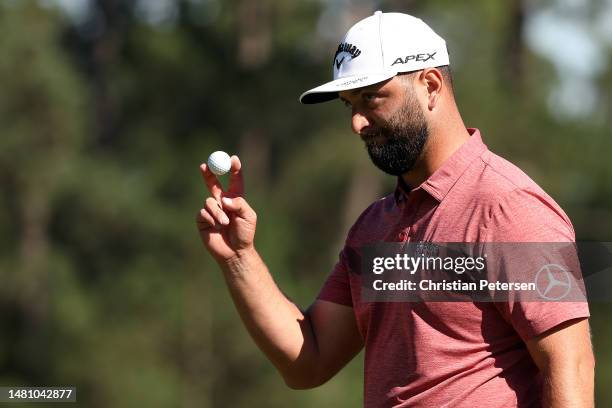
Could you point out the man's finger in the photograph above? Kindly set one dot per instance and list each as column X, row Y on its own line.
column 239, row 206
column 206, row 221
column 212, row 183
column 216, row 211
column 236, row 186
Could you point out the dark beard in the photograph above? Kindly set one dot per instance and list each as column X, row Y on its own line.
column 395, row 147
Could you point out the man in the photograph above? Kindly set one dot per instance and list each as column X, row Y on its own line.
column 391, row 70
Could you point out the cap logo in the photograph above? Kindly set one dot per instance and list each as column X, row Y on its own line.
column 415, row 57
column 350, row 49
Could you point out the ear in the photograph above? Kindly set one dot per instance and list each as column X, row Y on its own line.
column 432, row 79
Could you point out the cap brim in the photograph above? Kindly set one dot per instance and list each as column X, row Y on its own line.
column 329, row 91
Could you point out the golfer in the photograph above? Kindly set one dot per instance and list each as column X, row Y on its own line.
column 392, row 72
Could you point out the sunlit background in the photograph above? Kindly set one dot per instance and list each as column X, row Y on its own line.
column 107, row 108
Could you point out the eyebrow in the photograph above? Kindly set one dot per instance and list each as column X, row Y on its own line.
column 356, row 91
column 353, row 92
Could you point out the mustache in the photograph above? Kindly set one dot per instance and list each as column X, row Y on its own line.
column 381, row 136
column 372, row 135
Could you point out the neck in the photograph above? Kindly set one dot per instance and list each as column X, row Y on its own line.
column 441, row 144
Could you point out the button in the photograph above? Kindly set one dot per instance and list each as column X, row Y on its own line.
column 377, row 12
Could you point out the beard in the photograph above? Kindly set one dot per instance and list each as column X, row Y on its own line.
column 394, row 147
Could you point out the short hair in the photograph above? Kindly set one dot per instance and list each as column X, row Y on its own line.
column 447, row 74
column 445, row 70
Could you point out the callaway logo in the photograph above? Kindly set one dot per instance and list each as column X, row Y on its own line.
column 350, row 49
column 338, row 63
column 416, row 57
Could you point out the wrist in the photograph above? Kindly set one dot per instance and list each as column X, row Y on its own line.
column 246, row 252
column 241, row 259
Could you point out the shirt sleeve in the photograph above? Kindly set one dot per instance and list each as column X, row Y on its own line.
column 535, row 222
column 337, row 287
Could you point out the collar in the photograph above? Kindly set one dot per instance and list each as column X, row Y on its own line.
column 443, row 179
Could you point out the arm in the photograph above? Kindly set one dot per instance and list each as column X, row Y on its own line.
column 565, row 358
column 307, row 348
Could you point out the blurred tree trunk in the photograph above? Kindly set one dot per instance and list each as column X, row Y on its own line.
column 33, row 277
column 108, row 22
column 254, row 33
column 199, row 365
column 513, row 58
column 254, row 48
column 254, row 148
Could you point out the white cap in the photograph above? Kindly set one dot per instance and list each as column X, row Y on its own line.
column 378, row 48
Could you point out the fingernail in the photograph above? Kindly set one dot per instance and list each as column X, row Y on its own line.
column 226, row 200
column 224, row 220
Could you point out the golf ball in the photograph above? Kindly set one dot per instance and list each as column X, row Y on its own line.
column 219, row 163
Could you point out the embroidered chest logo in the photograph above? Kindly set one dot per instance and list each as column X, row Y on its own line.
column 350, row 49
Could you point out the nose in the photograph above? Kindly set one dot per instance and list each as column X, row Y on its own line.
column 359, row 122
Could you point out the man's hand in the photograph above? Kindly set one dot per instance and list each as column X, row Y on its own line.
column 227, row 222
column 565, row 359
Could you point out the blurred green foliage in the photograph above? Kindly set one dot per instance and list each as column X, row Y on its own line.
column 105, row 120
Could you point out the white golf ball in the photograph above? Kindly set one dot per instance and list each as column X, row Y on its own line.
column 219, row 163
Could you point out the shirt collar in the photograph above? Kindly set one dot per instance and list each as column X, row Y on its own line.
column 442, row 180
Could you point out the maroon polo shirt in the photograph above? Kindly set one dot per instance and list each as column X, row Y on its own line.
column 455, row 354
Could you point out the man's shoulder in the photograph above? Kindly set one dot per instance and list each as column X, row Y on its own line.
column 496, row 179
column 506, row 175
column 517, row 199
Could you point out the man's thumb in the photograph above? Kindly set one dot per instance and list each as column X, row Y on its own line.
column 239, row 206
